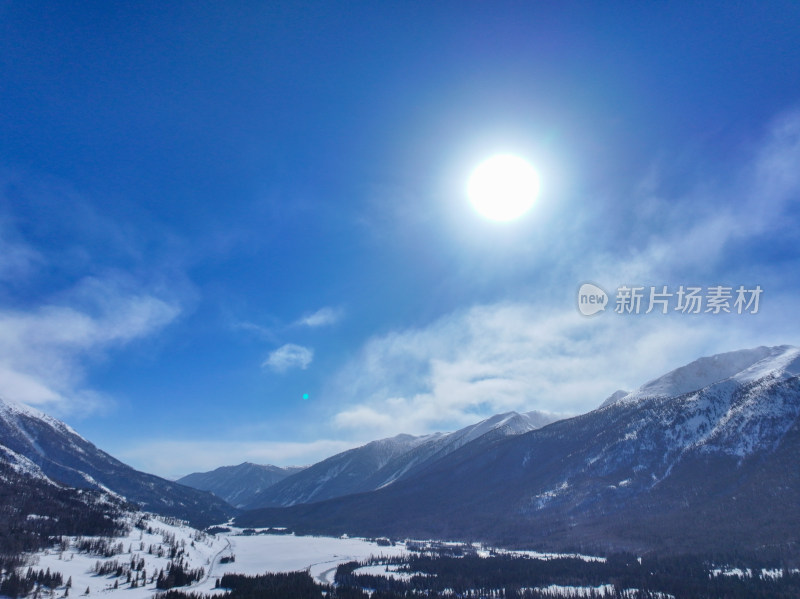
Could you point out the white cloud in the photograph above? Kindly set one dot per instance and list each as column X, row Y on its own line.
column 698, row 231
column 289, row 356
column 514, row 356
column 43, row 350
column 161, row 456
column 322, row 317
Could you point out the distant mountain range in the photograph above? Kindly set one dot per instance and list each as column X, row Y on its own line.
column 366, row 468
column 39, row 446
column 238, row 484
column 702, row 458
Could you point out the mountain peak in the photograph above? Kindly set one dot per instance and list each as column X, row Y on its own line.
column 238, row 484
column 614, row 397
column 12, row 409
column 743, row 365
column 782, row 361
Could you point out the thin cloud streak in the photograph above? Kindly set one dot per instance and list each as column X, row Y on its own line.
column 43, row 351
column 289, row 356
column 503, row 357
column 322, row 317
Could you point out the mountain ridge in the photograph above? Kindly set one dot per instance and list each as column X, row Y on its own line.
column 659, row 473
column 238, row 484
column 382, row 462
column 47, row 447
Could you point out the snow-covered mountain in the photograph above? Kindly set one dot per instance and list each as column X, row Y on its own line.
column 439, row 446
column 383, row 462
column 238, row 484
column 34, row 510
column 341, row 474
column 704, row 372
column 706, row 456
column 43, row 446
column 614, row 397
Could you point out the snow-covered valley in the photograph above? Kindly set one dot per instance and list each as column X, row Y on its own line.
column 130, row 565
column 153, row 542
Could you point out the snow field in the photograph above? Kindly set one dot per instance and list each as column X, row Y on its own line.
column 257, row 554
column 80, row 566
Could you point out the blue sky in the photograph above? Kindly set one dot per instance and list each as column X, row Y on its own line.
column 208, row 210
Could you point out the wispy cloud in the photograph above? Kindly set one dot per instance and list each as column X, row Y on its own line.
column 17, row 259
column 514, row 356
column 257, row 329
column 322, row 317
column 43, row 350
column 289, row 356
column 696, row 232
column 124, row 279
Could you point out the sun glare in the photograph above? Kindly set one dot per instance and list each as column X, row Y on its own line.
column 503, row 187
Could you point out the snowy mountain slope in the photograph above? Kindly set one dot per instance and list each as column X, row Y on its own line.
column 20, row 464
column 337, row 475
column 148, row 541
column 654, row 471
column 427, row 453
column 614, row 397
column 62, row 455
column 704, row 372
column 238, row 484
column 383, row 462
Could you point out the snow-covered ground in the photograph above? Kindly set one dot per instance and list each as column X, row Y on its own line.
column 201, row 551
column 765, row 573
column 387, row 571
column 255, row 554
column 549, row 556
column 557, row 590
column 605, row 590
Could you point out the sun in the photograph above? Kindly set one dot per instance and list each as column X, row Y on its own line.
column 503, row 187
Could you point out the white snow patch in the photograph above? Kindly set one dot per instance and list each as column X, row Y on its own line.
column 605, row 590
column 389, row 571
